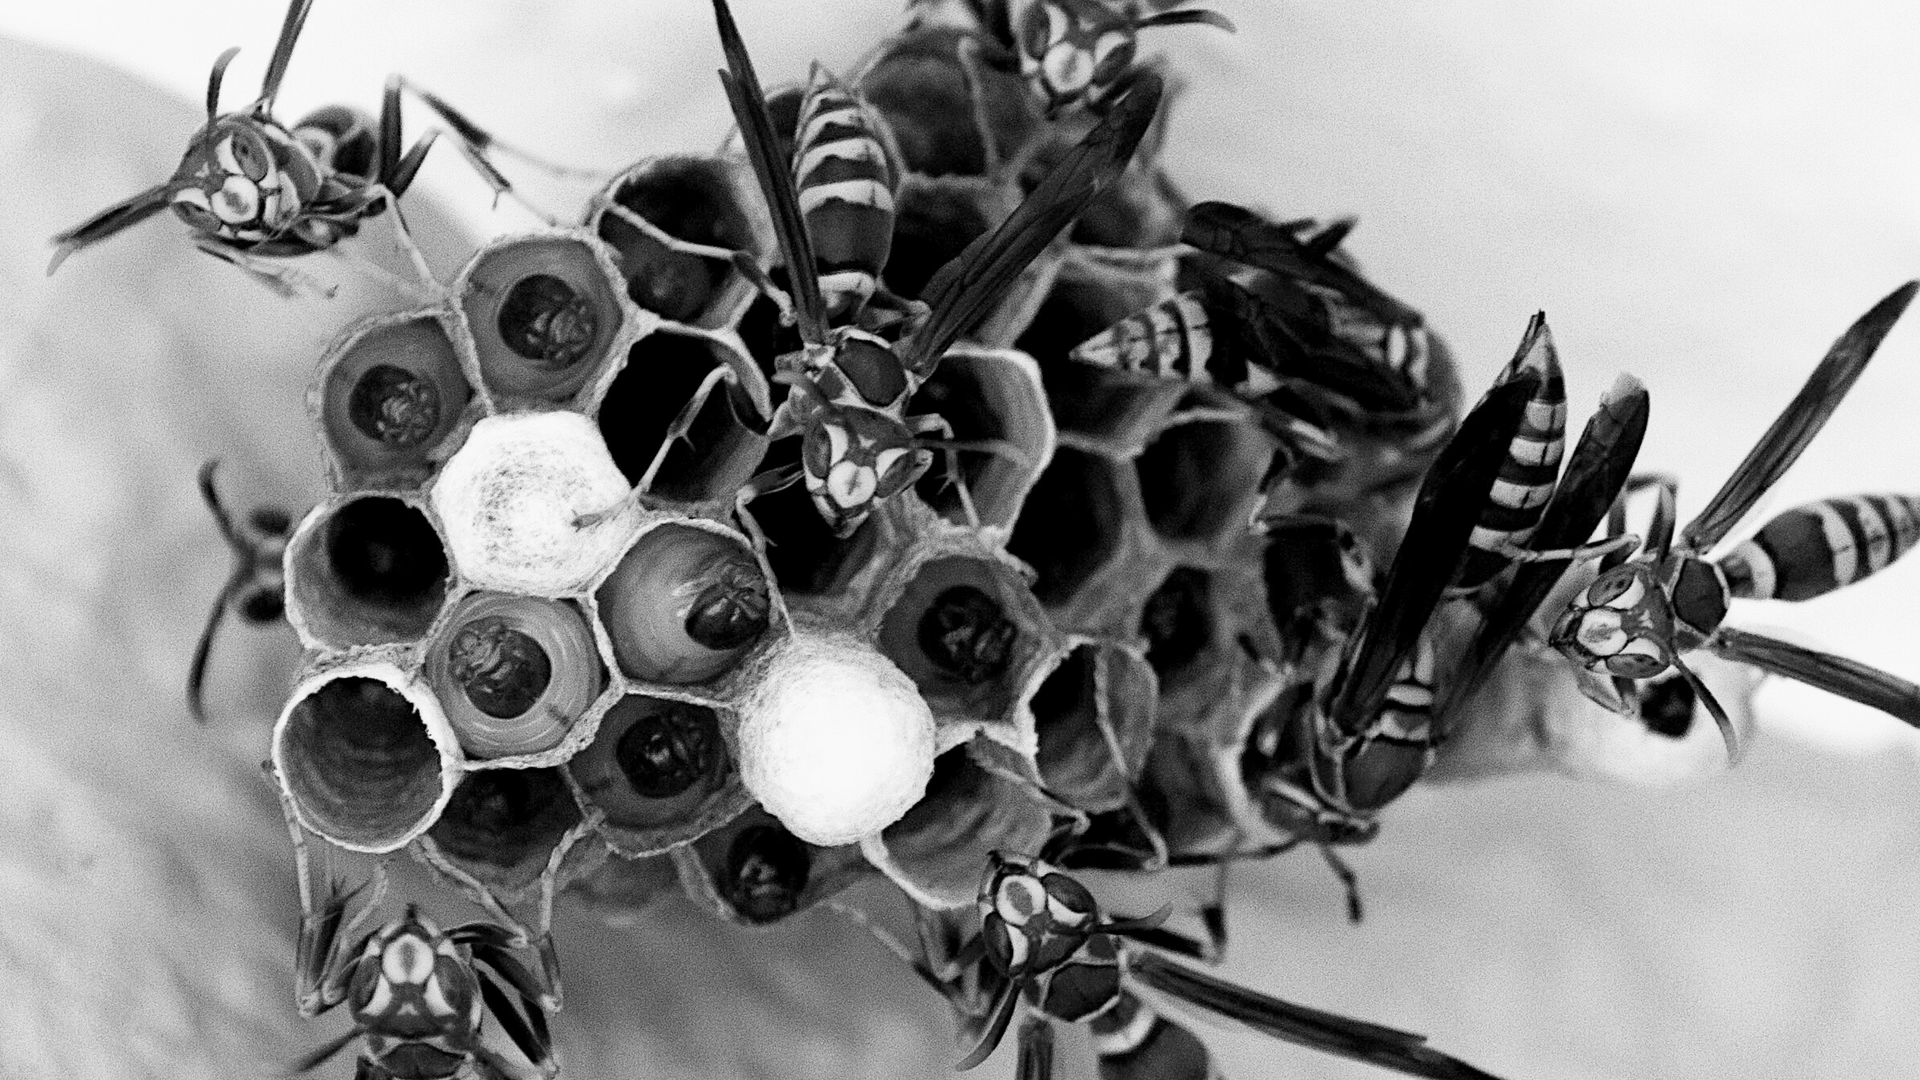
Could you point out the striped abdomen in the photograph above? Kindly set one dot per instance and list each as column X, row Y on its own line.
column 1132, row 1042
column 1397, row 746
column 1526, row 479
column 1814, row 549
column 1175, row 339
column 846, row 180
column 1401, row 346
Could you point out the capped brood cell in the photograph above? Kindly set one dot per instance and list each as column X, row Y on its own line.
column 660, row 773
column 514, row 673
column 365, row 755
column 673, row 223
column 365, row 570
column 546, row 314
column 390, row 399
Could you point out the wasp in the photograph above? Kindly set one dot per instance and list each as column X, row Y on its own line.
column 1076, row 54
column 848, row 386
column 1043, row 939
column 249, row 185
column 1635, row 620
column 256, row 588
column 418, row 995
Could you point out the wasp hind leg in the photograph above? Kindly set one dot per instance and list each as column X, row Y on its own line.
column 951, row 447
column 285, row 281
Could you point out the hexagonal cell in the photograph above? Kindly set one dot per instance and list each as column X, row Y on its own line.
column 673, row 221
column 545, row 314
column 987, row 394
column 719, row 452
column 365, row 570
column 754, row 872
column 1178, row 621
column 514, row 673
column 620, row 890
column 389, row 398
column 934, row 221
column 1073, row 525
column 965, row 629
column 517, row 504
column 1318, row 575
column 686, row 603
column 503, row 826
column 1371, row 490
column 661, row 773
column 1142, row 210
column 1199, row 480
column 918, row 82
column 365, row 756
column 937, row 852
column 1094, row 715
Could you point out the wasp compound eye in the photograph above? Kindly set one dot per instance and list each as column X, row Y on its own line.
column 967, row 633
column 684, row 605
column 767, row 871
column 547, row 321
column 669, row 750
column 514, row 672
column 394, row 406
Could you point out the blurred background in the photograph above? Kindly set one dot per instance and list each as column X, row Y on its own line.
column 1704, row 194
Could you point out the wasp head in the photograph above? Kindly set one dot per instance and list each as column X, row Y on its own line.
column 1074, row 51
column 854, row 458
column 244, row 179
column 1622, row 624
column 1033, row 918
column 412, row 982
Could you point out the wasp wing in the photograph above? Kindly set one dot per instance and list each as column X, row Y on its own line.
column 749, row 103
column 1803, row 418
column 124, row 214
column 1264, row 335
column 965, row 289
column 1389, row 1048
column 1036, row 1050
column 1597, row 472
column 282, row 53
column 1246, row 237
column 1449, row 504
column 1849, row 679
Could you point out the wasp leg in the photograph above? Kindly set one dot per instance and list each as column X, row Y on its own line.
column 476, row 143
column 967, row 52
column 1714, row 708
column 1613, row 545
column 1205, row 416
column 1350, row 881
column 951, row 446
column 391, row 170
column 751, row 269
column 285, row 282
column 683, row 422
column 324, row 1053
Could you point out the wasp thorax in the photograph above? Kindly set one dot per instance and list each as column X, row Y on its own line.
column 545, row 311
column 390, row 394
column 766, row 873
column 684, row 604
column 669, row 749
column 394, row 406
column 502, row 670
column 366, row 756
column 967, row 634
column 547, row 321
column 514, row 672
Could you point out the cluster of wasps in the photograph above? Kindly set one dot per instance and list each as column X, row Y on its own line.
column 1374, row 666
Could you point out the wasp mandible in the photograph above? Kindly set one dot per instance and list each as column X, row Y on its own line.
column 848, row 386
column 250, row 186
column 1636, row 619
column 1044, row 940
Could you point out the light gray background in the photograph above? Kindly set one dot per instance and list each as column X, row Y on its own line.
column 1704, row 194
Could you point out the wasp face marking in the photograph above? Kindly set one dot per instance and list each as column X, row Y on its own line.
column 855, row 457
column 245, row 180
column 1034, row 918
column 1074, row 50
column 1620, row 625
column 412, row 983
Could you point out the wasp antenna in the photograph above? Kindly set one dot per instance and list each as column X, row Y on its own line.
column 214, row 80
column 1002, row 1015
column 282, row 53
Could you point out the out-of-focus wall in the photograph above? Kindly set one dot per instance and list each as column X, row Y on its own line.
column 1703, row 194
